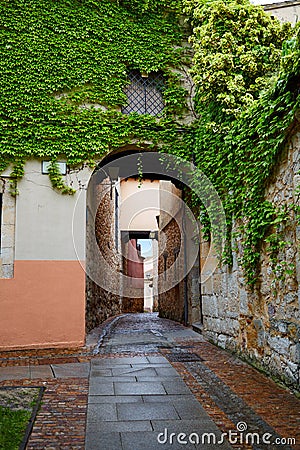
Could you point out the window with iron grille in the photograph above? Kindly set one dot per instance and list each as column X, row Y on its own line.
column 144, row 93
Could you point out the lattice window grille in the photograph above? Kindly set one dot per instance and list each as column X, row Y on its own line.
column 144, row 94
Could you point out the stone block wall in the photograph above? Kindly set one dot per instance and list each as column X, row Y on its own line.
column 170, row 301
column 263, row 324
column 178, row 262
column 8, row 219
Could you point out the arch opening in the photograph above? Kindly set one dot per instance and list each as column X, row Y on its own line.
column 135, row 203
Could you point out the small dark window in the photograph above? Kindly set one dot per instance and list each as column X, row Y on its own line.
column 165, row 255
column 176, row 264
column 144, row 93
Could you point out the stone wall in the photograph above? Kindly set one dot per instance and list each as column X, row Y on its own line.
column 7, row 241
column 103, row 284
column 170, row 302
column 262, row 325
column 178, row 262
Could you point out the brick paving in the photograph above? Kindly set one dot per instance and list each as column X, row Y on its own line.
column 228, row 389
column 61, row 420
column 274, row 405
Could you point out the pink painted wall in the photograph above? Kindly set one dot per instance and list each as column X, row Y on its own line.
column 135, row 265
column 43, row 306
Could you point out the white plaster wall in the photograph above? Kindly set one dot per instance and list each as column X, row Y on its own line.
column 50, row 225
column 285, row 12
column 139, row 205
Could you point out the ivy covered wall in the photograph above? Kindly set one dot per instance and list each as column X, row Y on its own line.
column 64, row 66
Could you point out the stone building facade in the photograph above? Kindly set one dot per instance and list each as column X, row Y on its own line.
column 263, row 324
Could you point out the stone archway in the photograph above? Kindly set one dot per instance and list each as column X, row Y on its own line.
column 108, row 291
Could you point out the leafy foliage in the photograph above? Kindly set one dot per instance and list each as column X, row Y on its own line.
column 63, row 69
column 243, row 126
column 237, row 45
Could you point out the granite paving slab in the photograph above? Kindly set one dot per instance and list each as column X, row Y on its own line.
column 135, row 371
column 139, row 388
column 111, row 362
column 106, row 412
column 42, row 371
column 118, row 378
column 157, row 359
column 157, row 378
column 148, row 441
column 97, row 372
column 116, row 399
column 101, row 389
column 170, row 398
column 119, row 426
column 129, row 412
column 203, row 431
column 146, row 411
column 71, row 370
column 14, row 373
column 103, row 441
column 176, row 387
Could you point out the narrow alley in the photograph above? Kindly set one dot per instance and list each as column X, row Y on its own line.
column 150, row 383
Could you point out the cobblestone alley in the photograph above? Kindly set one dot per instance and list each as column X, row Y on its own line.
column 148, row 383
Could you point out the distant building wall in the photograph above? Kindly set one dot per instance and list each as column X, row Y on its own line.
column 133, row 269
column 140, row 204
column 284, row 11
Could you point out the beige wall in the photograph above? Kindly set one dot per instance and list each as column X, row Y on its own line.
column 284, row 11
column 45, row 218
column 8, row 219
column 139, row 205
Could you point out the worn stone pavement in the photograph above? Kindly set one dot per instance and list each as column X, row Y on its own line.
column 145, row 377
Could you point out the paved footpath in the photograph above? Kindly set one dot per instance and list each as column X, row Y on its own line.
column 150, row 383
column 142, row 403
